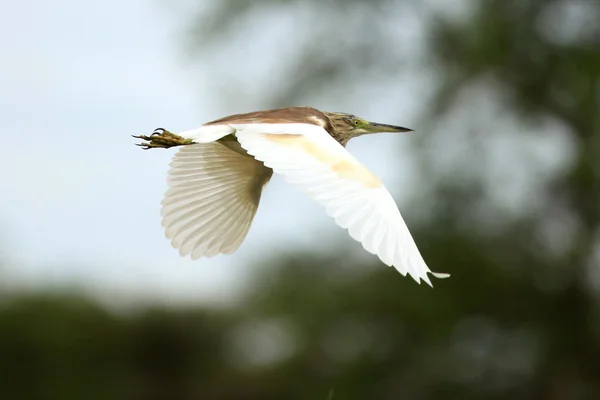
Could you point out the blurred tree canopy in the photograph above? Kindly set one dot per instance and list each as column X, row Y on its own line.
column 515, row 99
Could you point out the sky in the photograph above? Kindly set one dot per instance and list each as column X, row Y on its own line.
column 80, row 204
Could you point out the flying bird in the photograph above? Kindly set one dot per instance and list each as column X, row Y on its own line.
column 217, row 177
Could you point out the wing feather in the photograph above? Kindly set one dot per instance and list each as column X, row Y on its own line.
column 212, row 198
column 307, row 156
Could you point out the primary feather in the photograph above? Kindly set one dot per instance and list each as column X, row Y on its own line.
column 351, row 194
column 213, row 195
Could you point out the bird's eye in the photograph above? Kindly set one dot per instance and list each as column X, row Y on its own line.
column 356, row 122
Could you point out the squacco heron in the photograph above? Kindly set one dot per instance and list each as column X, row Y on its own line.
column 217, row 177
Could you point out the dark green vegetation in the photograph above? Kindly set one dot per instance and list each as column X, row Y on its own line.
column 517, row 110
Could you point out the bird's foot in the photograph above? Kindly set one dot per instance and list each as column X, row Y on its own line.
column 161, row 138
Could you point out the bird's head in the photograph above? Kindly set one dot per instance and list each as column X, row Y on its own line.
column 347, row 126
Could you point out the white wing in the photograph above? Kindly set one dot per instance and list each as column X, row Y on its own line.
column 310, row 158
column 213, row 197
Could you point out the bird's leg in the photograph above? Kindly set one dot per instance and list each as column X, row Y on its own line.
column 162, row 138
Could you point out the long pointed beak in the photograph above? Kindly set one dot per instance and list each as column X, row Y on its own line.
column 381, row 128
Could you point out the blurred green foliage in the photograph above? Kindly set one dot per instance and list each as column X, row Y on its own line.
column 520, row 317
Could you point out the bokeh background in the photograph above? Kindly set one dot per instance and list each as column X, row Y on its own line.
column 500, row 185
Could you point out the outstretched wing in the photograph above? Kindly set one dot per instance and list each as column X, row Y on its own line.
column 307, row 156
column 212, row 198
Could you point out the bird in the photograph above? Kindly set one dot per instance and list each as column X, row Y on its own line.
column 217, row 177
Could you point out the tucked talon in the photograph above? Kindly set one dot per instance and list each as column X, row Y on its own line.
column 143, row 137
column 161, row 138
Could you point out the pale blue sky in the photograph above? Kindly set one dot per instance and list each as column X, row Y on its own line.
column 80, row 203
